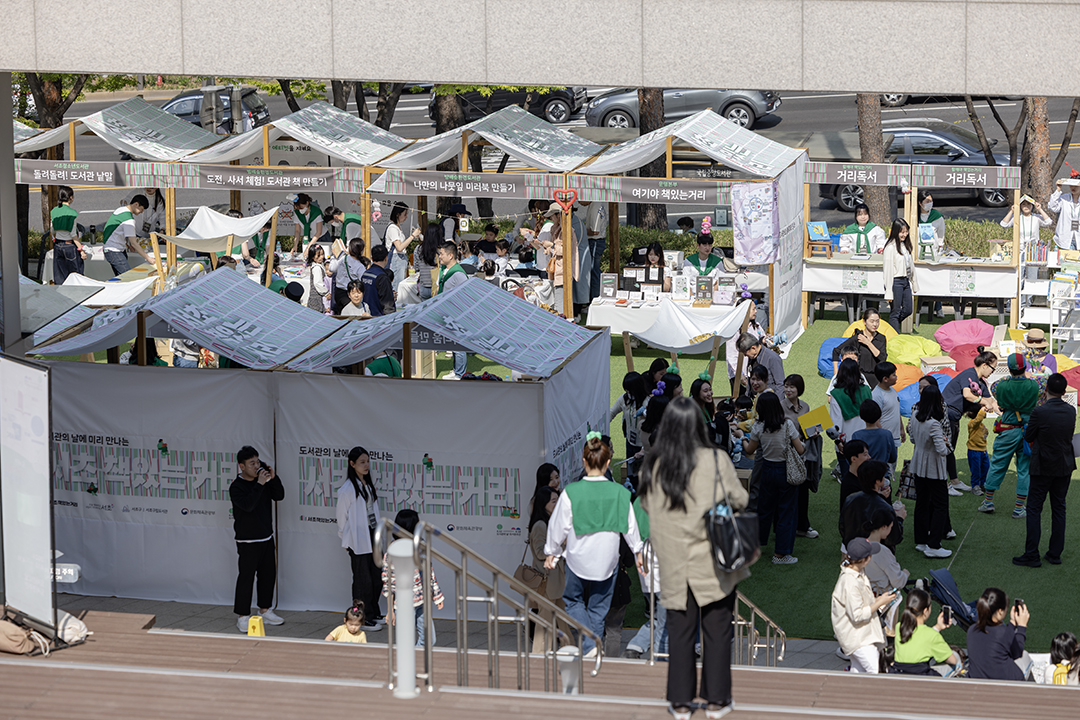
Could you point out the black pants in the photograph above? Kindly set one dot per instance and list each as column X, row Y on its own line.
column 716, row 634
column 931, row 511
column 255, row 560
column 901, row 302
column 1057, row 488
column 803, row 521
column 66, row 260
column 339, row 300
column 366, row 583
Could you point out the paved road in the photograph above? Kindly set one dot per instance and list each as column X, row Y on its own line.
column 799, row 111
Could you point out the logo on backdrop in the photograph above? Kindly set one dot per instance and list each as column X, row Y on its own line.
column 503, row 531
column 66, row 503
column 98, row 506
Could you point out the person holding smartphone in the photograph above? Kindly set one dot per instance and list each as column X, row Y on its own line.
column 253, row 493
column 993, row 645
column 919, row 645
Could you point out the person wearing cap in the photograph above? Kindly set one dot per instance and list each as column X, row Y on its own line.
column 449, row 223
column 855, row 609
column 1036, row 348
column 554, row 248
column 1050, row 432
column 1017, row 396
column 1066, row 203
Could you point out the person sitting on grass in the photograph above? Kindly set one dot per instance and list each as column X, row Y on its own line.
column 918, row 644
column 993, row 647
column 1064, row 661
column 855, row 518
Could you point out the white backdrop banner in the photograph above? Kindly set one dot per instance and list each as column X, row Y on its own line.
column 576, row 400
column 142, row 462
column 466, row 467
column 786, row 303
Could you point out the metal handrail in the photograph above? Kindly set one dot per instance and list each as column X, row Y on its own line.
column 493, row 593
column 745, row 628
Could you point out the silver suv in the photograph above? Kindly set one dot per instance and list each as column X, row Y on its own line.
column 619, row 108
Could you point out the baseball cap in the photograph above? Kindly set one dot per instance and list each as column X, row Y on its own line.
column 860, row 548
column 1016, row 362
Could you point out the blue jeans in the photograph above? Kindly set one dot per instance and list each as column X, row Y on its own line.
column 461, row 363
column 420, row 627
column 979, row 465
column 425, row 292
column 119, row 262
column 596, row 249
column 178, row 361
column 640, row 642
column 588, row 602
column 777, row 504
column 399, row 264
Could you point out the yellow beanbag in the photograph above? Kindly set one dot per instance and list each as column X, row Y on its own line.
column 911, row 349
column 1064, row 362
column 884, row 328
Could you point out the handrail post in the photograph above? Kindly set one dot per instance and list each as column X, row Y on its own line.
column 426, row 577
column 403, row 567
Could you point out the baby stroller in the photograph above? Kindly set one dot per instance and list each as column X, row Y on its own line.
column 942, row 588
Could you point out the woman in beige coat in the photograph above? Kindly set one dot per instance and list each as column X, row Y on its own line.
column 678, row 485
column 554, row 248
column 543, row 504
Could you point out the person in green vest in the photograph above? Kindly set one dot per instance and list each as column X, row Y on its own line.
column 1017, row 395
column 862, row 236
column 309, row 221
column 119, row 235
column 584, row 529
column 348, row 225
column 254, row 248
column 705, row 263
column 68, row 252
column 451, row 274
column 929, row 216
column 384, row 365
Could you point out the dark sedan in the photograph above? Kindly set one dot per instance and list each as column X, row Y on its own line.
column 619, row 108
column 556, row 106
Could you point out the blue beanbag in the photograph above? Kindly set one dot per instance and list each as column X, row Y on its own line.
column 824, row 358
column 910, row 395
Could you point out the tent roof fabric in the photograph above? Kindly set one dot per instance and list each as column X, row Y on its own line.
column 22, row 132
column 135, row 127
column 209, row 224
column 720, row 139
column 341, row 134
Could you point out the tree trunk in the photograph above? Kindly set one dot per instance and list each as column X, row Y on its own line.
column 448, row 115
column 340, row 92
column 528, row 100
column 872, row 148
column 484, row 205
column 389, row 94
column 1039, row 177
column 983, row 142
column 1066, row 141
column 651, row 117
column 52, row 103
column 361, row 102
column 286, row 90
column 1011, row 135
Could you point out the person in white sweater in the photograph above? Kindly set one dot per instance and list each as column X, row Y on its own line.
column 1067, row 206
column 898, row 266
column 855, row 618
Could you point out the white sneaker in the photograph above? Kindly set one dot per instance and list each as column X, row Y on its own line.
column 922, row 548
column 951, row 535
column 272, row 618
column 937, row 552
column 842, row 655
column 242, row 623
column 811, row 533
column 959, row 485
column 591, row 653
column 784, row 560
column 954, row 492
column 450, row 376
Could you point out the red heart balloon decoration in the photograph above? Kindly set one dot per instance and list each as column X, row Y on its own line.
column 565, row 198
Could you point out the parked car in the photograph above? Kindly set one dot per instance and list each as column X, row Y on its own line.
column 556, row 106
column 187, row 105
column 619, row 108
column 900, row 99
column 918, row 141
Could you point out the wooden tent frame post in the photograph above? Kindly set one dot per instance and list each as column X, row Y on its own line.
column 140, row 338
column 270, row 250
column 170, row 227
column 365, row 214
column 406, row 350
column 157, row 260
column 737, row 390
column 628, row 351
column 567, row 267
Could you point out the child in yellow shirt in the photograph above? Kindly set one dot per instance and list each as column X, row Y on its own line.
column 353, row 629
column 978, row 458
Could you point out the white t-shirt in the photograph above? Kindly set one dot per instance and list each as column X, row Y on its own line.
column 596, row 220
column 393, row 234
column 449, row 225
column 118, row 240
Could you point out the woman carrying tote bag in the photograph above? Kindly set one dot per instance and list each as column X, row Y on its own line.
column 678, row 484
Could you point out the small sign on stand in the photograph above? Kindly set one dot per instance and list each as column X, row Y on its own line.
column 703, row 292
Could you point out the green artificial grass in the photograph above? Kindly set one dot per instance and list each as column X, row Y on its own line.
column 798, row 597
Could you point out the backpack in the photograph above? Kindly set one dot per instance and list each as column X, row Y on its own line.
column 18, row 640
column 1061, row 673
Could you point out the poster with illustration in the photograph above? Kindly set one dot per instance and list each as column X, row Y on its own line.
column 756, row 222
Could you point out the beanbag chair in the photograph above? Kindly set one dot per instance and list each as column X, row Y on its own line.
column 1072, row 375
column 885, row 329
column 964, row 355
column 964, row 332
column 910, row 394
column 1064, row 362
column 824, row 358
column 911, row 349
column 906, row 375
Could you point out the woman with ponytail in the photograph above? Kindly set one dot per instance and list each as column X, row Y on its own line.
column 584, row 528
column 918, row 644
column 357, row 517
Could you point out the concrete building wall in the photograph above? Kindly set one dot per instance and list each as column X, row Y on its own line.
column 941, row 46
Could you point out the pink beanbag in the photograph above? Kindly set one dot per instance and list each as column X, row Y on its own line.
column 964, row 355
column 964, row 332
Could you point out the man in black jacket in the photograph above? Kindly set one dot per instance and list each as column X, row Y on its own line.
column 855, row 518
column 253, row 493
column 1050, row 433
column 378, row 284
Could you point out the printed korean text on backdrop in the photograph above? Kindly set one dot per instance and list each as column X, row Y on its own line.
column 756, row 222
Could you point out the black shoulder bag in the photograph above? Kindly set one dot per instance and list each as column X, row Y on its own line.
column 733, row 534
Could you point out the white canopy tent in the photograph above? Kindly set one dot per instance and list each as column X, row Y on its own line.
column 678, row 330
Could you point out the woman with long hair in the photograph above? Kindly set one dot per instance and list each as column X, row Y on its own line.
column 585, row 526
column 994, row 647
column 845, row 398
column 917, row 643
column 398, row 243
column 543, row 504
column 318, row 286
column 424, row 260
column 554, row 248
column 777, row 501
column 719, row 432
column 346, row 268
column 657, row 370
column 681, row 476
column 929, row 468
column 898, row 263
column 654, row 258
column 357, row 516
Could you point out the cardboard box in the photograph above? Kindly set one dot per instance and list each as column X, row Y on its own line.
column 934, row 363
